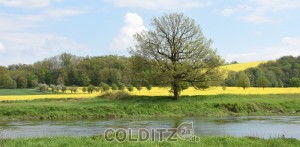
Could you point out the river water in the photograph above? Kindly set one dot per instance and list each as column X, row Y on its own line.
column 257, row 126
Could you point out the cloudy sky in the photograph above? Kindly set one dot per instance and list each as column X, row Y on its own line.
column 248, row 30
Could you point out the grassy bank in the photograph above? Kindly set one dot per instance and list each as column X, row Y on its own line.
column 99, row 141
column 144, row 106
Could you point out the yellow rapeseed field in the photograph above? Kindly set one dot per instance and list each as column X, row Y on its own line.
column 156, row 91
column 163, row 91
column 159, row 91
column 242, row 66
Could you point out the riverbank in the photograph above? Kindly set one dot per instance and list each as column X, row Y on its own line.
column 99, row 141
column 155, row 106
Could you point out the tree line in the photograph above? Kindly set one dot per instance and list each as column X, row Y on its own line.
column 284, row 72
column 114, row 72
column 119, row 71
column 67, row 69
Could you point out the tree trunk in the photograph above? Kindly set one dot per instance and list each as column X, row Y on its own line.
column 176, row 89
column 176, row 94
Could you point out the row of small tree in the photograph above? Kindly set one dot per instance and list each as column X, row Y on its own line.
column 103, row 87
column 55, row 88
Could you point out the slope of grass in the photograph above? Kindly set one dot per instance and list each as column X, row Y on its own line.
column 242, row 66
column 99, row 141
column 146, row 106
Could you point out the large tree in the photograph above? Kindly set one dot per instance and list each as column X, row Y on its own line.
column 179, row 51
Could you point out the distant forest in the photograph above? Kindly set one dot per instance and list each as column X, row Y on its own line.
column 69, row 70
column 284, row 72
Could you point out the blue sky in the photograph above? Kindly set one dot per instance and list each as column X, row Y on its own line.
column 242, row 30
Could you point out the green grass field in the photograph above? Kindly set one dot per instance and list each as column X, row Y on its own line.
column 146, row 106
column 99, row 141
column 150, row 106
column 4, row 92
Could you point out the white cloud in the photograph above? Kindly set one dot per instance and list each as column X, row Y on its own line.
column 2, row 47
column 30, row 47
column 160, row 4
column 276, row 5
column 238, row 9
column 293, row 42
column 53, row 13
column 14, row 22
column 133, row 24
column 56, row 13
column 257, row 18
column 9, row 22
column 28, row 3
column 258, row 11
column 288, row 46
column 24, row 46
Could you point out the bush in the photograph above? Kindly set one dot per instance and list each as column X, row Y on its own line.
column 224, row 87
column 114, row 87
column 90, row 88
column 73, row 89
column 104, row 87
column 138, row 87
column 58, row 88
column 115, row 95
column 149, row 87
column 52, row 87
column 42, row 87
column 97, row 89
column 84, row 89
column 121, row 86
column 252, row 107
column 63, row 89
column 130, row 87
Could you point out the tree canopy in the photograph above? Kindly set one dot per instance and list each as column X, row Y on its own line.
column 178, row 52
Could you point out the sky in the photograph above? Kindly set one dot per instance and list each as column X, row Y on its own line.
column 242, row 30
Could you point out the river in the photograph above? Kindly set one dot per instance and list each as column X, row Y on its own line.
column 257, row 126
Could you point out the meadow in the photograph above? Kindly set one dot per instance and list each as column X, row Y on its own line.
column 151, row 106
column 19, row 92
column 99, row 141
